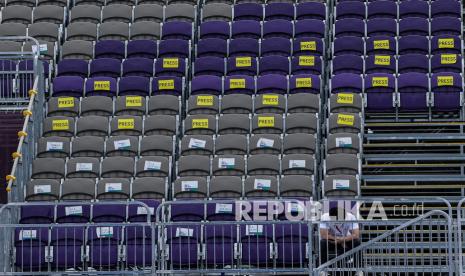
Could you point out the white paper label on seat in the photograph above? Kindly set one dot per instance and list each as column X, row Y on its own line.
column 27, row 235
column 106, row 231
column 344, row 142
column 223, row 208
column 52, row 146
column 141, row 210
column 42, row 189
column 254, row 230
column 296, row 164
column 226, row 163
column 83, row 167
column 187, row 186
column 184, row 232
column 265, row 143
column 341, row 184
column 197, row 143
column 42, row 48
column 262, row 184
column 113, row 187
column 152, row 166
column 122, row 144
column 295, row 207
column 73, row 210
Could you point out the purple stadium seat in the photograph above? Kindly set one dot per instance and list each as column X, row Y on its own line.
column 73, row 67
column 347, row 82
column 139, row 245
column 73, row 213
column 248, row 11
column 413, row 63
column 382, row 9
column 239, row 84
column 206, row 84
column 242, row 66
column 306, row 65
column 174, row 48
column 446, row 63
column 175, row 67
column 446, row 44
column 292, row 242
column 141, row 48
column 244, row 47
column 273, row 65
column 413, row 26
column 347, row 64
column 350, row 9
column 176, row 30
column 272, row 83
column 310, row 10
column 219, row 244
column 68, row 86
column 67, row 245
column 413, row 89
column 105, row 67
column 278, row 28
column 255, row 241
column 214, row 29
column 382, row 27
column 279, row 11
column 379, row 89
column 209, row 66
column 142, row 67
column 246, row 28
column 103, row 239
column 214, row 47
column 413, row 44
column 101, row 86
column 445, row 8
column 380, row 64
column 109, row 49
column 446, row 26
column 307, row 46
column 276, row 46
column 183, row 243
column 447, row 91
column 349, row 45
column 309, row 28
column 30, row 244
column 134, row 86
column 167, row 85
column 381, row 45
column 304, row 83
column 413, row 8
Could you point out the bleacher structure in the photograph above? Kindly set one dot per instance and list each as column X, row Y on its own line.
column 147, row 122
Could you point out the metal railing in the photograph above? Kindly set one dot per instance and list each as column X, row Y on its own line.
column 460, row 237
column 75, row 246
column 32, row 85
column 288, row 239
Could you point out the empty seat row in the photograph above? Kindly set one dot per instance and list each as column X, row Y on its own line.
column 26, row 15
column 270, row 83
column 104, row 106
column 391, row 65
column 250, row 66
column 256, row 29
column 240, row 144
column 258, row 12
column 35, row 3
column 120, row 30
column 104, row 86
column 402, row 27
column 265, row 103
column 235, row 187
column 239, row 165
column 403, row 9
column 125, row 13
column 109, row 167
column 114, row 68
column 94, row 146
column 264, row 47
column 259, row 124
column 411, row 44
column 154, row 187
column 101, row 126
column 143, row 48
column 44, row 31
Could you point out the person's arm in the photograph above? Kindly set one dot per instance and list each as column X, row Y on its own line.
column 354, row 235
column 325, row 235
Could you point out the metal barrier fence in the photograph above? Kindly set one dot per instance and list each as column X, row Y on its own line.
column 216, row 237
column 30, row 89
column 460, row 237
column 18, row 71
column 74, row 246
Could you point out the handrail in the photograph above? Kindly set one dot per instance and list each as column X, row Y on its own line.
column 22, row 134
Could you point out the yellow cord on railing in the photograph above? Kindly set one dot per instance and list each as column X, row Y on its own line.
column 22, row 135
